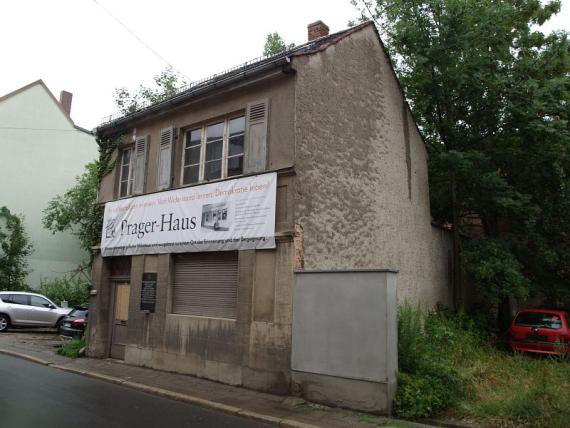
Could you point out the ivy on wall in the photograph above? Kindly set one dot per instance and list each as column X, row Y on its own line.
column 78, row 210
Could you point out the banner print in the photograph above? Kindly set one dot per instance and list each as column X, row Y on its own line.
column 228, row 215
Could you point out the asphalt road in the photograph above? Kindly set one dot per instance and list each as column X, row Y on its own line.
column 32, row 395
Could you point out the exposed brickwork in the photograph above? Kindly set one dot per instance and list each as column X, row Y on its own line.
column 65, row 101
column 317, row 29
column 299, row 256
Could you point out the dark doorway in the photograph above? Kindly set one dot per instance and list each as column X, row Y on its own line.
column 120, row 318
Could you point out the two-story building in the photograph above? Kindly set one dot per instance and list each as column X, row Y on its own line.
column 224, row 194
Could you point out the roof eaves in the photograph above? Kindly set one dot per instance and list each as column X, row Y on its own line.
column 79, row 128
column 218, row 81
column 233, row 75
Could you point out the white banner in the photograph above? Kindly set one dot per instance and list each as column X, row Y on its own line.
column 228, row 215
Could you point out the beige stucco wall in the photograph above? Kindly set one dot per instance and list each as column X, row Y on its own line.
column 253, row 350
column 353, row 199
column 277, row 87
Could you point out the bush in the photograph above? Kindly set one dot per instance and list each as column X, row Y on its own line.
column 428, row 343
column 15, row 247
column 449, row 361
column 74, row 291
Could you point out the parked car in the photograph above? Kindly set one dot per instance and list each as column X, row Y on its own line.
column 20, row 309
column 74, row 324
column 540, row 331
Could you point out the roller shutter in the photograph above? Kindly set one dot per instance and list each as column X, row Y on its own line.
column 205, row 284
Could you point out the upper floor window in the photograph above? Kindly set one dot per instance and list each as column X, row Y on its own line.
column 214, row 151
column 127, row 173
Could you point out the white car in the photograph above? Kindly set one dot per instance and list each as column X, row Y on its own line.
column 20, row 309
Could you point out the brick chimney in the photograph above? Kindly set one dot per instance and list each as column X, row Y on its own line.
column 317, row 29
column 65, row 101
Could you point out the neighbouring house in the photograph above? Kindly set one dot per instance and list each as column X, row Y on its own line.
column 42, row 151
column 262, row 225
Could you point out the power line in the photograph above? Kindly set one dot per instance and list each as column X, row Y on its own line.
column 14, row 128
column 139, row 39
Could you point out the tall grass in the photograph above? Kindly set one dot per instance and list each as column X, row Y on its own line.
column 517, row 390
column 450, row 367
column 428, row 381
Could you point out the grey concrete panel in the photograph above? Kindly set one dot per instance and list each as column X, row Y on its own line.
column 373, row 397
column 341, row 323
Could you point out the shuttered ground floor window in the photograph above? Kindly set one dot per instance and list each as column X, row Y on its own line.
column 205, row 284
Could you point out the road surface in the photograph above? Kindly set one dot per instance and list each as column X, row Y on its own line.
column 32, row 395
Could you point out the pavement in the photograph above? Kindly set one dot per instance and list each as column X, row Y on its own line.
column 39, row 346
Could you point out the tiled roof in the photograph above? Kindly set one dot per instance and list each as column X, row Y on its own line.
column 231, row 75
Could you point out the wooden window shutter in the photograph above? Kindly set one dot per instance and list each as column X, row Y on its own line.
column 257, row 116
column 165, row 158
column 139, row 164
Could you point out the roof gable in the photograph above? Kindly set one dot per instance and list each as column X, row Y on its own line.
column 39, row 83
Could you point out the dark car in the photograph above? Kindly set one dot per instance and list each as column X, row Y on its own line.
column 540, row 331
column 74, row 324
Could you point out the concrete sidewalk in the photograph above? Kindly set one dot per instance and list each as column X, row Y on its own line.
column 40, row 347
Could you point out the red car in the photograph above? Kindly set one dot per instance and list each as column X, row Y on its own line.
column 540, row 331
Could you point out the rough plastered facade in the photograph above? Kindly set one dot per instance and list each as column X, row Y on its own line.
column 364, row 198
column 352, row 193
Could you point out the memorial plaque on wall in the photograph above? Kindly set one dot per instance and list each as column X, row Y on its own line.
column 148, row 292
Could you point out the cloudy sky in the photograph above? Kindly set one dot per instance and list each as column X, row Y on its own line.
column 78, row 46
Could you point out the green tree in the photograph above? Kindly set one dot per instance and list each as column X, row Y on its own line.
column 77, row 209
column 15, row 246
column 167, row 82
column 491, row 95
column 275, row 44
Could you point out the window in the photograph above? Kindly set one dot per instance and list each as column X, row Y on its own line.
column 539, row 320
column 39, row 302
column 79, row 313
column 214, row 151
column 17, row 299
column 127, row 173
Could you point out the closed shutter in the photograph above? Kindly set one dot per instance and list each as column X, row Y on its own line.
column 256, row 137
column 139, row 165
column 205, row 284
column 165, row 158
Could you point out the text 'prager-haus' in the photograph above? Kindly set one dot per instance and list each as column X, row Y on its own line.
column 262, row 225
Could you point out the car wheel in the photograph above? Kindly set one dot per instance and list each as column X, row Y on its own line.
column 4, row 323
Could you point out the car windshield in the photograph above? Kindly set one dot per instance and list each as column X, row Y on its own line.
column 78, row 313
column 539, row 319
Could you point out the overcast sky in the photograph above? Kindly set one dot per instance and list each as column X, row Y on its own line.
column 75, row 45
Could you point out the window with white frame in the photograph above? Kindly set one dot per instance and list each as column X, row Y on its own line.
column 127, row 173
column 214, row 151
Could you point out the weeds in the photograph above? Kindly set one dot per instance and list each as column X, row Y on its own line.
column 450, row 367
column 428, row 380
column 72, row 349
